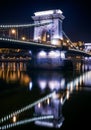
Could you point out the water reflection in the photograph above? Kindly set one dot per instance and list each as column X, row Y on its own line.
column 47, row 109
column 14, row 72
column 49, row 80
column 51, row 106
column 51, row 90
column 59, row 81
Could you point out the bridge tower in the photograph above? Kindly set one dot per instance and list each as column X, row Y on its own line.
column 51, row 32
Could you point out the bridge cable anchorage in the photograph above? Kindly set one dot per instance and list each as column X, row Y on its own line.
column 69, row 39
column 24, row 25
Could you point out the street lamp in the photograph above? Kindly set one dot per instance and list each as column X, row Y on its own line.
column 13, row 33
column 23, row 38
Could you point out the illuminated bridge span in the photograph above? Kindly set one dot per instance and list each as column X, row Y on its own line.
column 14, row 43
column 50, row 44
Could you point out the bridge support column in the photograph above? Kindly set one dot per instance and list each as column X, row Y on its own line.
column 49, row 60
column 51, row 31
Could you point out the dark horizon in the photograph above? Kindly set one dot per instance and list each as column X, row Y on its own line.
column 77, row 20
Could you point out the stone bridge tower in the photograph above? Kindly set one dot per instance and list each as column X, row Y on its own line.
column 51, row 32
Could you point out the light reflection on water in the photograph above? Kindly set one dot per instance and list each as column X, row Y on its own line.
column 42, row 93
column 14, row 72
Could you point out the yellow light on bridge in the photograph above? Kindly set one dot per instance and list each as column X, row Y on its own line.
column 23, row 38
column 13, row 31
column 14, row 118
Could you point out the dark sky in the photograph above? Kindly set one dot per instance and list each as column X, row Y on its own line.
column 77, row 22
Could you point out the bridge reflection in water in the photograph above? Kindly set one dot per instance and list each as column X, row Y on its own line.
column 46, row 94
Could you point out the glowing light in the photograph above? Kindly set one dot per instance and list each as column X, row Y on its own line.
column 68, row 94
column 42, row 54
column 58, row 54
column 62, row 83
column 42, row 84
column 68, row 41
column 13, row 31
column 38, row 39
column 63, row 55
column 48, row 36
column 39, row 105
column 30, row 86
column 51, row 85
column 71, row 86
column 76, row 82
column 56, row 36
column 43, row 13
column 61, row 100
column 80, row 78
column 48, row 101
column 14, row 118
column 30, row 52
column 51, row 54
column 23, row 38
column 87, row 44
column 54, row 85
column 54, row 42
column 48, row 12
column 59, row 11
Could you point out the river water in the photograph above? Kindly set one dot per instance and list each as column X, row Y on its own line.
column 44, row 99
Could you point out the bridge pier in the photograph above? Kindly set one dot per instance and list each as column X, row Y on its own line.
column 52, row 60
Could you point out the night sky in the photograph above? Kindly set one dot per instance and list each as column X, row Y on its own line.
column 77, row 22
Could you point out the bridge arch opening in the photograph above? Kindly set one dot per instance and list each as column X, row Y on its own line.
column 46, row 36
